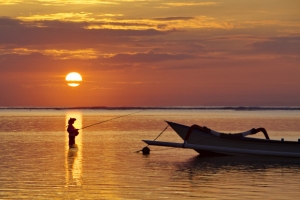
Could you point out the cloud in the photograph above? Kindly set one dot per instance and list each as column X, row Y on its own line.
column 87, row 21
column 36, row 62
column 147, row 57
column 278, row 45
column 10, row 2
column 8, row 22
column 56, row 53
column 57, row 2
column 18, row 32
column 181, row 4
column 172, row 18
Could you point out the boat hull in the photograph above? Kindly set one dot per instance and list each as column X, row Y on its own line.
column 207, row 144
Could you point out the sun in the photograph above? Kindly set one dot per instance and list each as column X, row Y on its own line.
column 73, row 79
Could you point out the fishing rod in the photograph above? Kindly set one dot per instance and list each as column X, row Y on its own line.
column 110, row 119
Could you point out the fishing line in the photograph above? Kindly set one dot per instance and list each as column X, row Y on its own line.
column 109, row 120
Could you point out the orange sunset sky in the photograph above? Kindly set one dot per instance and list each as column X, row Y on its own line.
column 150, row 53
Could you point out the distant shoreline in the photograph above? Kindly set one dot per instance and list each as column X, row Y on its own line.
column 241, row 108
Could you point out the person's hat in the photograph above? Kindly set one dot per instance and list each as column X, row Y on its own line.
column 72, row 120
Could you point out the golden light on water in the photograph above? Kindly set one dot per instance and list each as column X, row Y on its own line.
column 73, row 79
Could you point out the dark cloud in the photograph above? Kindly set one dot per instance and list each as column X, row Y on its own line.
column 147, row 57
column 25, row 33
column 279, row 45
column 8, row 22
column 36, row 62
column 173, row 18
column 69, row 24
column 58, row 24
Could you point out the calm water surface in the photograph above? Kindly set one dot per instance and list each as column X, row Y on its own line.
column 36, row 163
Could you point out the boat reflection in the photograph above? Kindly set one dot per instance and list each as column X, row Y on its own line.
column 73, row 156
column 198, row 166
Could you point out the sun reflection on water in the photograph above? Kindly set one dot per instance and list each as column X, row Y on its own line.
column 73, row 157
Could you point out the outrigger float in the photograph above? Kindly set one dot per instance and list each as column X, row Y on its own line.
column 208, row 142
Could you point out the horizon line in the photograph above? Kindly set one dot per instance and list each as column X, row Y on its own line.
column 153, row 107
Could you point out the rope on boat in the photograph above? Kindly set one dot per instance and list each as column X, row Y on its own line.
column 146, row 149
column 161, row 133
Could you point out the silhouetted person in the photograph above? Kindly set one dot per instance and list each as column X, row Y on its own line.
column 73, row 132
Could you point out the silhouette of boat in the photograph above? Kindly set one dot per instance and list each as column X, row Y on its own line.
column 208, row 142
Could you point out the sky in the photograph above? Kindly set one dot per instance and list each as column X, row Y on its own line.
column 150, row 53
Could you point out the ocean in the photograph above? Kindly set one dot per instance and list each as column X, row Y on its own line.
column 36, row 162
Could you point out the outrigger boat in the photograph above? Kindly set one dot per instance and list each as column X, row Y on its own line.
column 208, row 142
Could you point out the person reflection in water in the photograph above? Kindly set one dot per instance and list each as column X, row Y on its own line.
column 73, row 132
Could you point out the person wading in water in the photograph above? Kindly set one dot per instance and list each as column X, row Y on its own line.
column 73, row 132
